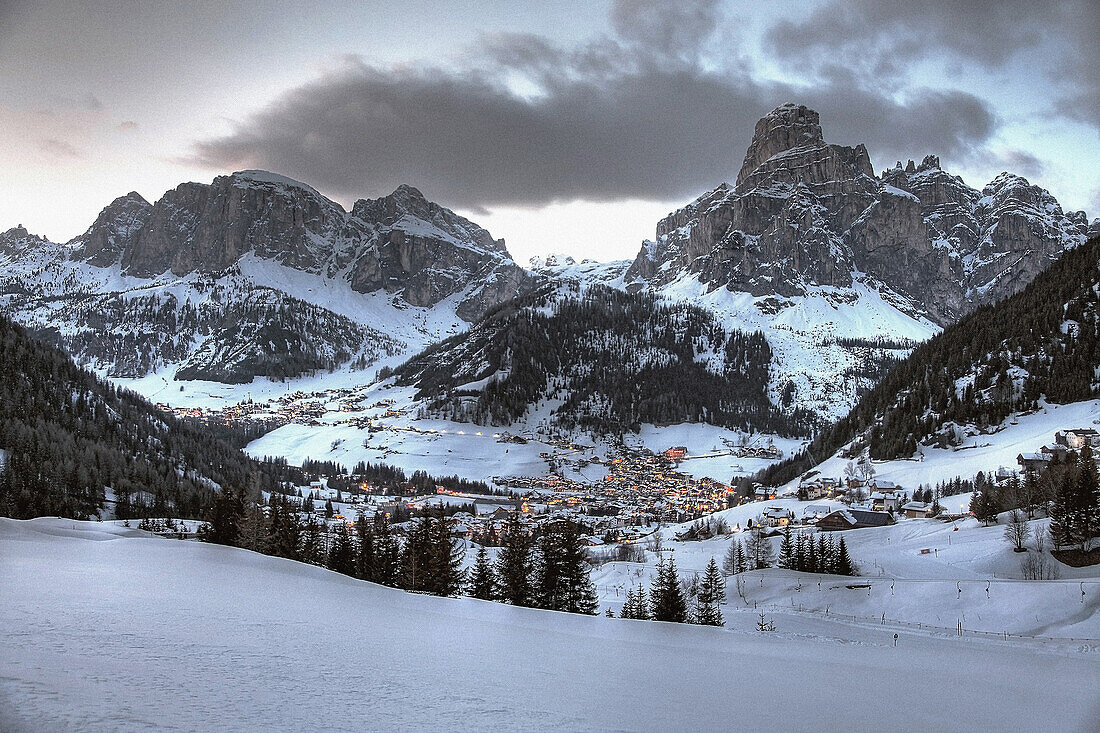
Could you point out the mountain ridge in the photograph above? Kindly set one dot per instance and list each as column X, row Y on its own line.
column 224, row 280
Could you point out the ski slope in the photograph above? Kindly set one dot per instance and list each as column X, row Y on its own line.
column 109, row 629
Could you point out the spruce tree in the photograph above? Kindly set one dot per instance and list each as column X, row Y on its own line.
column 800, row 552
column 627, row 610
column 387, row 553
column 666, row 599
column 562, row 581
column 311, row 550
column 364, row 555
column 447, row 554
column 711, row 595
column 786, row 549
column 514, row 564
column 341, row 556
column 417, row 557
column 758, row 549
column 483, row 582
column 828, row 553
column 641, row 605
column 1086, row 498
column 729, row 560
column 844, row 564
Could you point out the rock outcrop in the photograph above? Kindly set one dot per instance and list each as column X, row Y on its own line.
column 806, row 213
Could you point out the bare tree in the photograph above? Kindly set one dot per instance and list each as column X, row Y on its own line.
column 1039, row 565
column 1017, row 531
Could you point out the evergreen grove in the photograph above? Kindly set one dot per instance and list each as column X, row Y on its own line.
column 547, row 569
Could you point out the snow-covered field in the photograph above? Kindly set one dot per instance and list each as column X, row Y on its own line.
column 109, row 629
column 444, row 448
column 969, row 576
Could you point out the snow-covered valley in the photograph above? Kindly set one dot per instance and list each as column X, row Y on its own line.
column 123, row 631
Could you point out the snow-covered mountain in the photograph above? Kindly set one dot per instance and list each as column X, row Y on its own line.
column 844, row 270
column 806, row 214
column 255, row 275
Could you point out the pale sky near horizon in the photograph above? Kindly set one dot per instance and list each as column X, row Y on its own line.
column 562, row 126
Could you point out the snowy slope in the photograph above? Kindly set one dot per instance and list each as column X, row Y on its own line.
column 807, row 334
column 124, row 632
column 980, row 452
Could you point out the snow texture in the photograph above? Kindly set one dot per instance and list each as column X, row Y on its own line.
column 121, row 631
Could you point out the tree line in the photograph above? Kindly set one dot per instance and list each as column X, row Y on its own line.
column 547, row 568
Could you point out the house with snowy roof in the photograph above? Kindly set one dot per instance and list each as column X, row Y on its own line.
column 1078, row 438
column 917, row 509
column 843, row 519
column 1034, row 461
column 777, row 516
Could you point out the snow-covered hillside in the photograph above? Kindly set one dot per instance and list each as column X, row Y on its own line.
column 122, row 631
column 978, row 451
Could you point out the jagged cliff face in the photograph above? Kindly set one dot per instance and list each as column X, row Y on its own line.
column 401, row 244
column 254, row 275
column 805, row 213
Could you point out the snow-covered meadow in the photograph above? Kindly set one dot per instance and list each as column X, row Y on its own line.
column 108, row 628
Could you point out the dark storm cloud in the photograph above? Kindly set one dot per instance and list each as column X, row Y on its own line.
column 878, row 39
column 635, row 116
column 674, row 28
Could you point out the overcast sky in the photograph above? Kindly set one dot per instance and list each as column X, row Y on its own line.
column 561, row 125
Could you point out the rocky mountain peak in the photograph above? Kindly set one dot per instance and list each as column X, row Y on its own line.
column 807, row 213
column 930, row 162
column 406, row 210
column 786, row 127
column 106, row 240
column 788, row 149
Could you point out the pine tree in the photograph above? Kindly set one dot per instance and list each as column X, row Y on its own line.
column 844, row 564
column 515, row 564
column 341, row 556
column 641, row 605
column 786, row 550
column 711, row 595
column 729, row 560
column 387, row 553
column 740, row 561
column 483, row 581
column 666, row 598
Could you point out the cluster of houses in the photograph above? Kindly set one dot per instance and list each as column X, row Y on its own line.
column 297, row 407
column 1064, row 442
